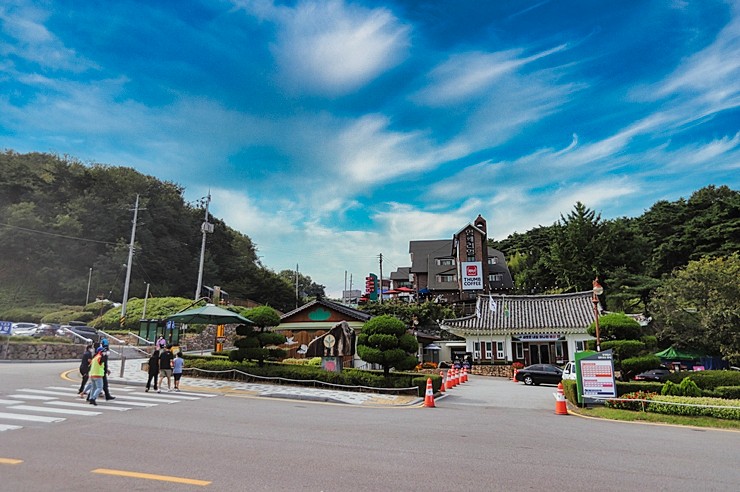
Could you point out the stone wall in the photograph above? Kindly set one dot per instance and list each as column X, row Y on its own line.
column 40, row 351
column 494, row 370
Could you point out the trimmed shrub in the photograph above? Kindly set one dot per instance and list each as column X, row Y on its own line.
column 708, row 380
column 636, row 365
column 631, row 401
column 728, row 392
column 570, row 388
column 624, row 349
column 696, row 407
column 689, row 388
column 625, row 387
column 671, row 388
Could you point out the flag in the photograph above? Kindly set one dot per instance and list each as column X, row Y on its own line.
column 491, row 304
column 477, row 308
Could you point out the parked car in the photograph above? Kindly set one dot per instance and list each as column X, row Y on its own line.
column 569, row 371
column 84, row 331
column 660, row 375
column 540, row 373
column 46, row 330
column 27, row 329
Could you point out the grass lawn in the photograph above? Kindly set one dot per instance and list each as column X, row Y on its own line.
column 631, row 416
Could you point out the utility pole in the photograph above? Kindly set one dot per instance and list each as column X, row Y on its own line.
column 146, row 298
column 89, row 278
column 380, row 299
column 206, row 228
column 129, row 263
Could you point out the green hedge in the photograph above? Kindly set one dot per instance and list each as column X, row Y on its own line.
column 636, row 365
column 705, row 410
column 727, row 392
column 626, row 387
column 570, row 388
column 310, row 374
column 708, row 380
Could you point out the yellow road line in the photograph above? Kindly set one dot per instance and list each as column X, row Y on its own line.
column 149, row 476
column 10, row 461
column 65, row 375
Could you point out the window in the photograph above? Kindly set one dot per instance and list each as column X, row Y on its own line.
column 489, row 350
column 500, row 350
column 446, row 278
column 580, row 345
column 519, row 350
column 493, row 260
column 495, row 277
column 559, row 350
column 445, row 261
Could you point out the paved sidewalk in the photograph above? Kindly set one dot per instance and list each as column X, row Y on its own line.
column 133, row 375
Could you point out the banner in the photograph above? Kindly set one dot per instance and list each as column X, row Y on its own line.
column 472, row 275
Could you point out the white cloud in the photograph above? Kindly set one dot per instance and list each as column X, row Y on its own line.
column 331, row 47
column 23, row 22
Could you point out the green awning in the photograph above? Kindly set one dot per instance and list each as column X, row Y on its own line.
column 672, row 354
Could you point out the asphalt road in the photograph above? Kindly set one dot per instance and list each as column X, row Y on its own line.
column 488, row 434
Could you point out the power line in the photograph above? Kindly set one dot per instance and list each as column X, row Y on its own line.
column 62, row 236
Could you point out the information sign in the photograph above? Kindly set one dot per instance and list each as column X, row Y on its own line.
column 6, row 328
column 596, row 376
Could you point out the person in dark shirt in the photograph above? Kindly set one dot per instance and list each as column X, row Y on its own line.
column 153, row 370
column 165, row 368
column 87, row 356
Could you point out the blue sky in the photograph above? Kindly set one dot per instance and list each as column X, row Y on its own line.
column 332, row 131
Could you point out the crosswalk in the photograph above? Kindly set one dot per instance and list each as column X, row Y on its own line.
column 54, row 404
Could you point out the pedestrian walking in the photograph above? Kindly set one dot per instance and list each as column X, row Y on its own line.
column 153, row 370
column 161, row 343
column 87, row 356
column 165, row 368
column 106, row 372
column 97, row 370
column 177, row 364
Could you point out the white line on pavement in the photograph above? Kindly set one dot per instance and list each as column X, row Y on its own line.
column 30, row 418
column 6, row 427
column 86, row 405
column 54, row 410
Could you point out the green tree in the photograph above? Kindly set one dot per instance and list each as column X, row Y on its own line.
column 253, row 342
column 422, row 317
column 616, row 326
column 698, row 307
column 384, row 340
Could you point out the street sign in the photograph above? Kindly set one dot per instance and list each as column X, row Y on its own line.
column 170, row 325
column 329, row 341
column 6, row 328
column 220, row 339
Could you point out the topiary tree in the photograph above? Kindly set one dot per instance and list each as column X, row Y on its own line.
column 616, row 326
column 385, row 341
column 254, row 343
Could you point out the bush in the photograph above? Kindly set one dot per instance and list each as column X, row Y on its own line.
column 625, row 387
column 696, row 407
column 624, row 349
column 708, row 380
column 631, row 401
column 728, row 392
column 689, row 388
column 671, row 388
column 636, row 365
column 570, row 388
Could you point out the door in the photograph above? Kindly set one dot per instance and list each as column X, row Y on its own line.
column 545, row 353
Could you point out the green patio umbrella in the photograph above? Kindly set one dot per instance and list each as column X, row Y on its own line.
column 208, row 314
column 672, row 354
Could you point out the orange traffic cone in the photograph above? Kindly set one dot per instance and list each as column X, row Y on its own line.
column 561, row 407
column 455, row 377
column 465, row 375
column 429, row 395
column 442, row 386
column 450, row 380
column 513, row 378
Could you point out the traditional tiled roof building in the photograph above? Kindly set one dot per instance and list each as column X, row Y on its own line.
column 545, row 329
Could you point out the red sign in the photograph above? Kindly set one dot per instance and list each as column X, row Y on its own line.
column 472, row 270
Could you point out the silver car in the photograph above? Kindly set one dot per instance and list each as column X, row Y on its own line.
column 27, row 329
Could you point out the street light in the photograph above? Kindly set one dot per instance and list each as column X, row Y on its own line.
column 598, row 290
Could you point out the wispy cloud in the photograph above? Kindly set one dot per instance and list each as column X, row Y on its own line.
column 332, row 47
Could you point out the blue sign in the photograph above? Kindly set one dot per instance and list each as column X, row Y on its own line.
column 170, row 325
column 6, row 328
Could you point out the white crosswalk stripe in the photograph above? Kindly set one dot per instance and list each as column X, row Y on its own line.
column 54, row 404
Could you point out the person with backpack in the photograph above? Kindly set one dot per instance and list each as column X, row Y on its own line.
column 87, row 356
column 153, row 370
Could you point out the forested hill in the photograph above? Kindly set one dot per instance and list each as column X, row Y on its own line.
column 628, row 254
column 60, row 218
